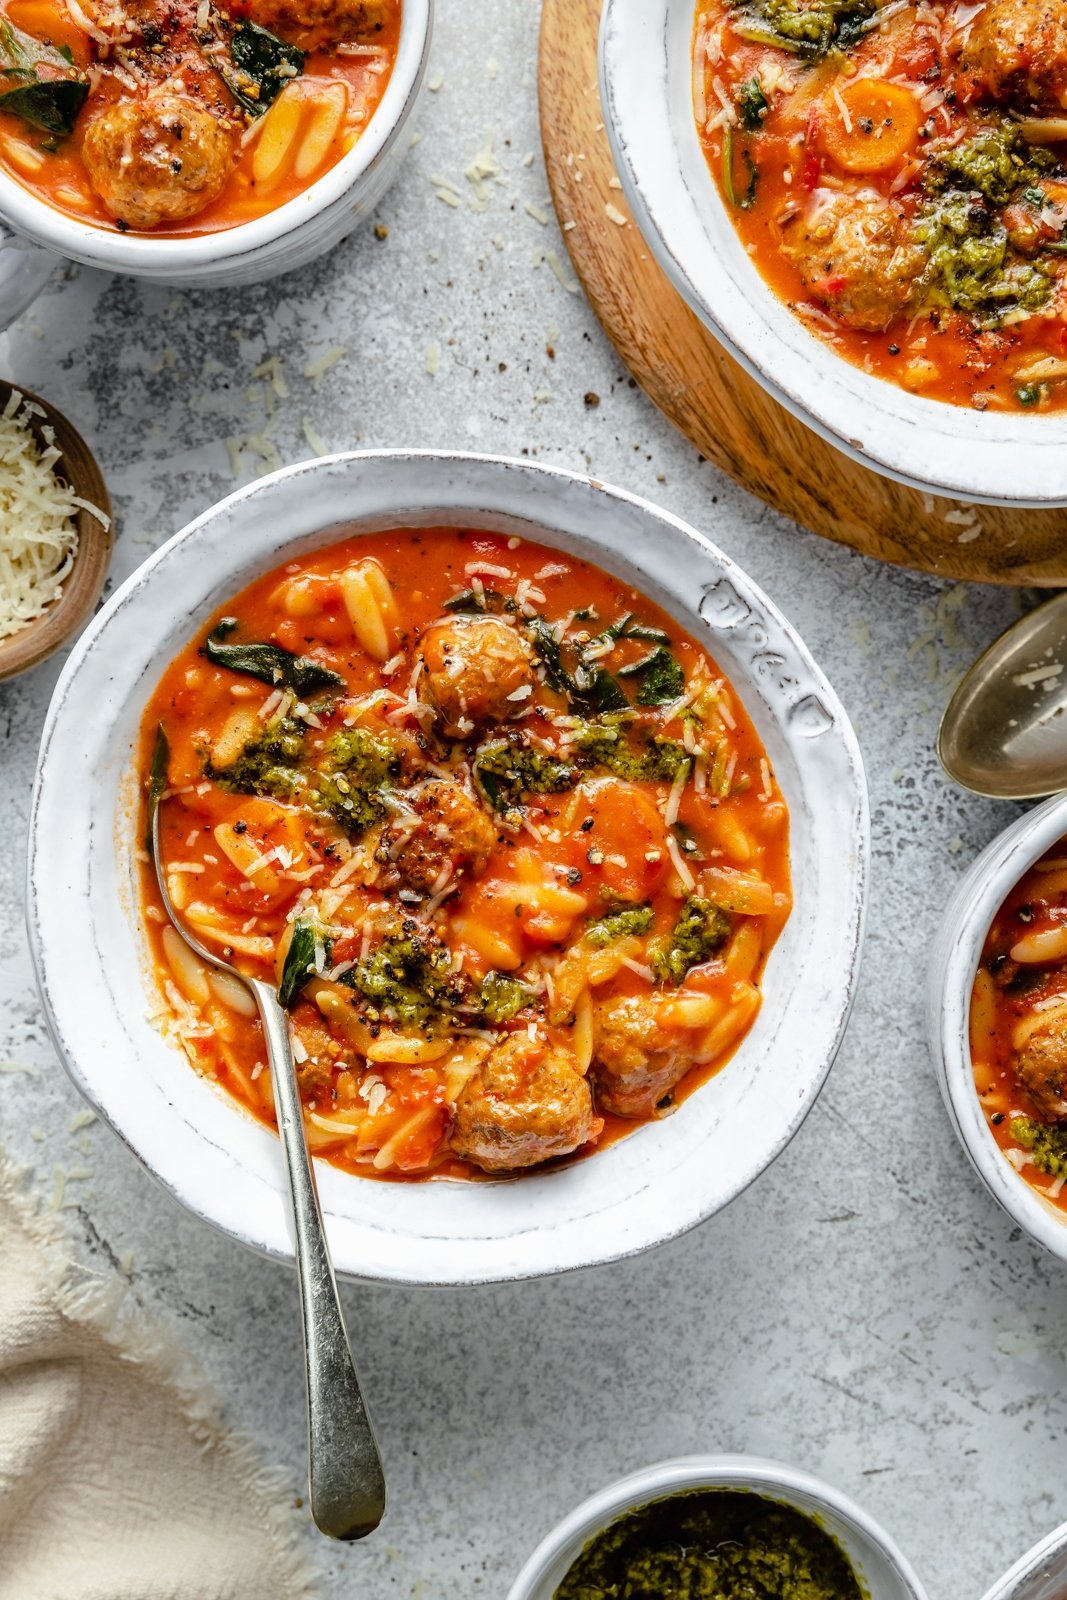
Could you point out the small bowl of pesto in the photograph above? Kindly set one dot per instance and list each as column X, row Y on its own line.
column 718, row 1528
column 1041, row 1574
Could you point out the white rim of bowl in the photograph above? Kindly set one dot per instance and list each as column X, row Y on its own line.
column 967, row 920
column 1028, row 1567
column 984, row 469
column 100, row 246
column 772, row 1478
column 155, row 1160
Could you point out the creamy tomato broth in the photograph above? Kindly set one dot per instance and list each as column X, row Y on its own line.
column 896, row 174
column 184, row 116
column 1019, row 1026
column 496, row 826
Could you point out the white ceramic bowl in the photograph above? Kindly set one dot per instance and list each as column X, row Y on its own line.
column 953, row 964
column 883, row 1571
column 293, row 234
column 1041, row 1574
column 656, row 1183
column 646, row 87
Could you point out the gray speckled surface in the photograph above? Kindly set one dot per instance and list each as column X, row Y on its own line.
column 864, row 1312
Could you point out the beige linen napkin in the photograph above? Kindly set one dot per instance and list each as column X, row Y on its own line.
column 116, row 1480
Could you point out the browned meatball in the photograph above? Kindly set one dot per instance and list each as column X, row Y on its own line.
column 452, row 834
column 472, row 667
column 854, row 253
column 528, row 1103
column 316, row 22
column 155, row 160
column 1041, row 1068
column 633, row 1065
column 1017, row 49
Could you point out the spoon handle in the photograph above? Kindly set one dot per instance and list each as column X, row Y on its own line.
column 347, row 1483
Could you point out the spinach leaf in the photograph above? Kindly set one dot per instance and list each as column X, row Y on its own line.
column 625, row 627
column 259, row 67
column 38, row 83
column 543, row 638
column 157, row 779
column 269, row 662
column 299, row 961
column 595, row 691
column 662, row 679
column 469, row 600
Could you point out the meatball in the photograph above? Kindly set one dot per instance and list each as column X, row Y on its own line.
column 159, row 159
column 473, row 665
column 633, row 1066
column 854, row 252
column 528, row 1103
column 1041, row 1068
column 452, row 834
column 1017, row 49
column 312, row 23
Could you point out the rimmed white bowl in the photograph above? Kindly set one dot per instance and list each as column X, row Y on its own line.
column 224, row 1166
column 646, row 85
column 883, row 1571
column 954, row 961
column 293, row 234
column 1041, row 1574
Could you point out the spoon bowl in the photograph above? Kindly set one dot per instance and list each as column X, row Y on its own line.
column 1004, row 732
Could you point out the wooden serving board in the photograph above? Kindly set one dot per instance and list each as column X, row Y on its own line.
column 704, row 392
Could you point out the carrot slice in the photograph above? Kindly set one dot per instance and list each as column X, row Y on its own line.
column 868, row 126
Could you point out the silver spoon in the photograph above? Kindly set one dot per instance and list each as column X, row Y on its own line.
column 345, row 1477
column 1004, row 732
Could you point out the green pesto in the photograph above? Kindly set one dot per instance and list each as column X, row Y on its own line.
column 502, row 997
column 407, row 980
column 1047, row 1145
column 363, row 757
column 751, row 105
column 996, row 164
column 348, row 789
column 971, row 265
column 606, row 744
column 714, row 1544
column 506, row 773
column 267, row 765
column 810, row 29
column 701, row 930
column 621, row 924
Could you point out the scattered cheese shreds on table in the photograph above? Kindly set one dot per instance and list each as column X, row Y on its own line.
column 38, row 518
column 328, row 359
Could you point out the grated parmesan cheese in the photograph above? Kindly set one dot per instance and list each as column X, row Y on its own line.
column 38, row 520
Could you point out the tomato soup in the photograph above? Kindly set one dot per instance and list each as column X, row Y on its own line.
column 895, row 172
column 179, row 117
column 1019, row 1026
column 497, row 828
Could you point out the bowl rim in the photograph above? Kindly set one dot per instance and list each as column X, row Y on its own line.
column 729, row 1471
column 1009, row 1585
column 744, row 314
column 60, row 621
column 967, row 919
column 499, row 485
column 144, row 254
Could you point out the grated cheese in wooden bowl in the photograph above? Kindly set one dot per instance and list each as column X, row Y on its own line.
column 38, row 516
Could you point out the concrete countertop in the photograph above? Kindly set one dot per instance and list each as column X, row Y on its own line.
column 865, row 1311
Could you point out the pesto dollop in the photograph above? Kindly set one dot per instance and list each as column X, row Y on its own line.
column 714, row 1544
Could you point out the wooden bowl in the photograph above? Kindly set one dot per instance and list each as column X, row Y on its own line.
column 64, row 618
